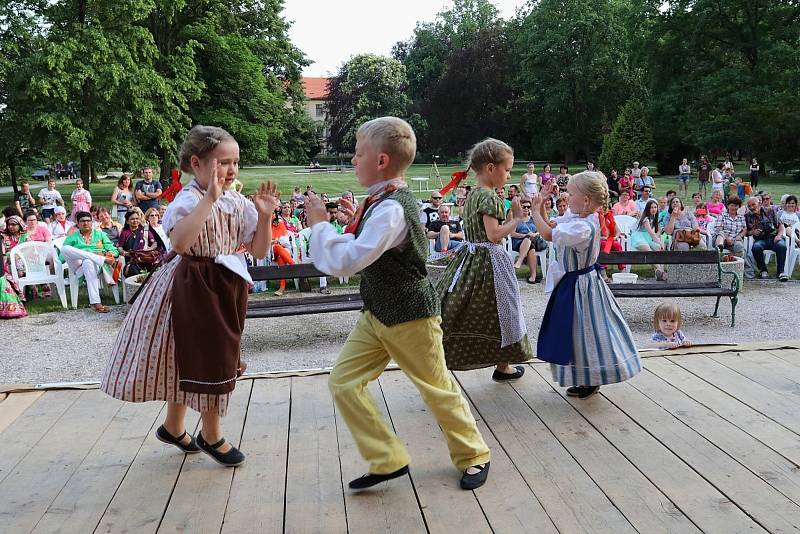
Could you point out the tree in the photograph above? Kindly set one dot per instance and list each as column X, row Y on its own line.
column 630, row 139
column 570, row 74
column 469, row 101
column 366, row 87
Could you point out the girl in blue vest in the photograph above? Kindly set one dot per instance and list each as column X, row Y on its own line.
column 584, row 334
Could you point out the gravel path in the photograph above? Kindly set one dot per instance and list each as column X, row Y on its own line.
column 73, row 346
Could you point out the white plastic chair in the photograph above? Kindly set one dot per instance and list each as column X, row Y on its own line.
column 34, row 256
column 625, row 224
column 75, row 285
column 710, row 237
column 793, row 253
column 541, row 255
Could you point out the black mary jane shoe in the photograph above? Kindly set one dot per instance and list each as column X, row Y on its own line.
column 232, row 458
column 476, row 480
column 582, row 392
column 370, row 479
column 165, row 437
column 519, row 370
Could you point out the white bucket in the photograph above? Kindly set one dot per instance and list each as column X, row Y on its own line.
column 624, row 278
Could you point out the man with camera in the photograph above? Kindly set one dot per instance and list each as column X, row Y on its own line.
column 768, row 234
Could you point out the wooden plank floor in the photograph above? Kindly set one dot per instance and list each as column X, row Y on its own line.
column 695, row 443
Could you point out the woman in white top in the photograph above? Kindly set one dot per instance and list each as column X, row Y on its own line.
column 530, row 181
column 122, row 198
column 153, row 219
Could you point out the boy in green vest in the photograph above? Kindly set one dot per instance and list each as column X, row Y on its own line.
column 400, row 319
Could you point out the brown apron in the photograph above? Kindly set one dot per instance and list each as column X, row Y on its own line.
column 209, row 304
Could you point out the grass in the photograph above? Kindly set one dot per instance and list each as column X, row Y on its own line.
column 335, row 183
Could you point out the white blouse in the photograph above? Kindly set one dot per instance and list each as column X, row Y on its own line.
column 571, row 231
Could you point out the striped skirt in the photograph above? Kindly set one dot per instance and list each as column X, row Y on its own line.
column 142, row 364
column 604, row 350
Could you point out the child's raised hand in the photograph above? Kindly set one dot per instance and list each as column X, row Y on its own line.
column 347, row 207
column 215, row 182
column 315, row 210
column 547, row 189
column 516, row 208
column 267, row 198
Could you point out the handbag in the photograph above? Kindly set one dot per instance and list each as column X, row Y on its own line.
column 690, row 237
column 145, row 257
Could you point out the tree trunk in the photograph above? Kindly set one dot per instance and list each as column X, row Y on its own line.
column 86, row 170
column 12, row 169
column 166, row 166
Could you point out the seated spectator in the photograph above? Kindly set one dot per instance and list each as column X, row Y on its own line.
column 152, row 218
column 449, row 234
column 683, row 227
column 549, row 209
column 11, row 298
column 703, row 218
column 561, row 204
column 663, row 211
column 645, row 236
column 625, row 206
column 730, row 229
column 715, row 206
column 61, row 226
column 513, row 190
column 351, row 198
column 292, row 223
column 282, row 247
column 768, row 233
column 50, row 198
column 109, row 225
column 644, row 198
column 37, row 231
column 430, row 211
column 334, row 218
column 612, row 181
column 697, row 199
column 790, row 218
column 15, row 232
column 609, row 237
column 527, row 241
column 141, row 246
column 87, row 251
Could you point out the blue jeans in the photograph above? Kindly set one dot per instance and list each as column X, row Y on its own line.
column 454, row 244
column 779, row 247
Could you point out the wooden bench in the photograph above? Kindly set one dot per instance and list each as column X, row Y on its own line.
column 721, row 287
column 284, row 307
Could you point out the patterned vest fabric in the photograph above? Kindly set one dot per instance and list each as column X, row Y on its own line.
column 395, row 288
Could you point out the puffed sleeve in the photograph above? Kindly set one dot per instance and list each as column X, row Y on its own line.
column 490, row 204
column 575, row 233
column 184, row 203
column 250, row 220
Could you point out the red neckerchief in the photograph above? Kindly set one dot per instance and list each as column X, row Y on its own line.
column 362, row 208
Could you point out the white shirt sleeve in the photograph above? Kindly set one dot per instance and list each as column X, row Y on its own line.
column 185, row 201
column 574, row 233
column 250, row 220
column 345, row 255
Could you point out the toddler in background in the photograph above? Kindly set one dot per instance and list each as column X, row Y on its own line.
column 667, row 324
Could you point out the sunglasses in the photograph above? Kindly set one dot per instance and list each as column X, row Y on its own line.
column 526, row 207
column 436, row 198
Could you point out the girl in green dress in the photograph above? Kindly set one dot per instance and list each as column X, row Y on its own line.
column 481, row 310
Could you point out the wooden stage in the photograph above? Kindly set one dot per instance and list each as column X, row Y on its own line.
column 700, row 442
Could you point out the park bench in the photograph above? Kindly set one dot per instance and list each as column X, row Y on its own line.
column 283, row 307
column 724, row 284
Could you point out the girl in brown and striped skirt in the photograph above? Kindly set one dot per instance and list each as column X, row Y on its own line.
column 180, row 340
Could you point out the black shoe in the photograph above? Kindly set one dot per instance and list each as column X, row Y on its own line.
column 370, row 479
column 165, row 437
column 582, row 392
column 497, row 376
column 470, row 482
column 232, row 458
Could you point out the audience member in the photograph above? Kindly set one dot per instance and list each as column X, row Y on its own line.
column 24, row 199
column 109, row 225
column 141, row 246
column 527, row 241
column 730, row 229
column 643, row 199
column 152, row 218
column 645, row 236
column 683, row 227
column 147, row 191
column 625, row 206
column 50, row 198
column 122, row 198
column 768, row 234
column 61, row 226
column 81, row 200
column 430, row 212
column 449, row 234
column 715, row 206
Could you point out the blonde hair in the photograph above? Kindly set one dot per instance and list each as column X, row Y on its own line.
column 593, row 185
column 488, row 151
column 147, row 215
column 201, row 141
column 392, row 136
column 667, row 310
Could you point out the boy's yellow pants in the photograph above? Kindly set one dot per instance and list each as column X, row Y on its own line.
column 416, row 346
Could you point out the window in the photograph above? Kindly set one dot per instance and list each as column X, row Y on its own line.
column 320, row 110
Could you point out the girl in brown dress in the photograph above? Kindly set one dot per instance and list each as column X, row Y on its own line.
column 180, row 340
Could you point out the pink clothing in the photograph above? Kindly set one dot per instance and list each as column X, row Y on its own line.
column 715, row 208
column 628, row 208
column 41, row 233
column 81, row 201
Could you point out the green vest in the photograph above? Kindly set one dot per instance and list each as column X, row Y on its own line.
column 396, row 288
